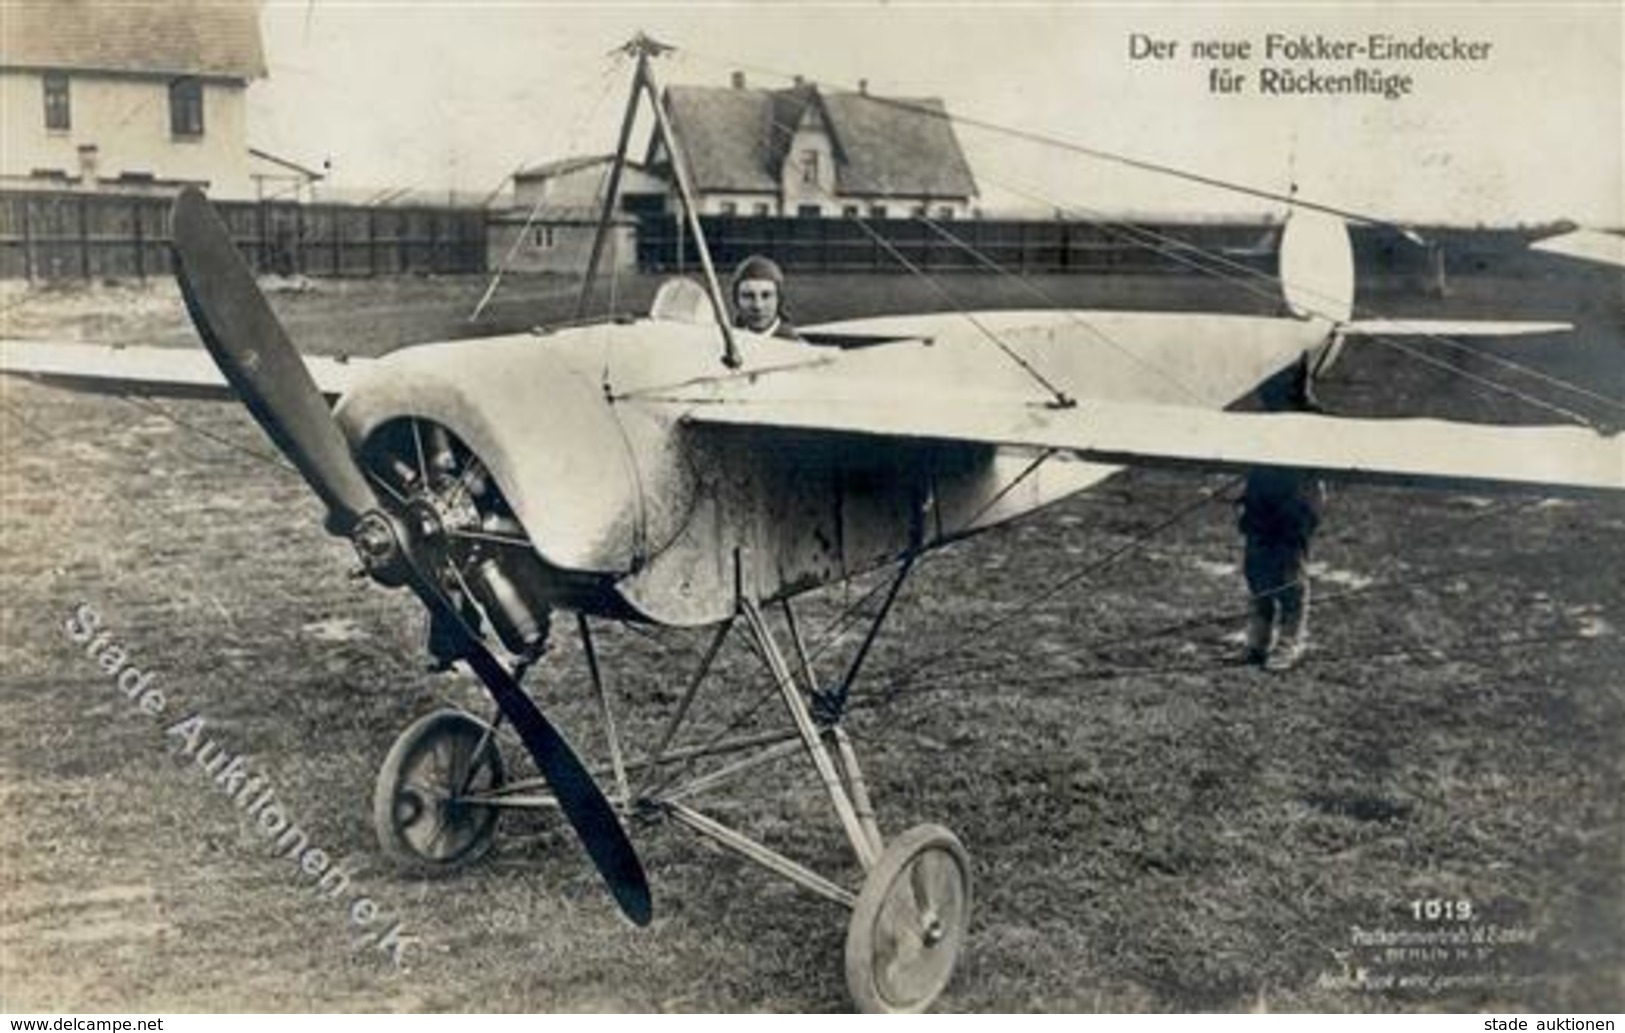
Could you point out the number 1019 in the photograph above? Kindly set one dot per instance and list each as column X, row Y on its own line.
column 1442, row 910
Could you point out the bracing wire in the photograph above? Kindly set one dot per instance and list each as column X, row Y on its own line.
column 1376, row 587
column 1222, row 261
column 1212, row 264
column 1293, row 199
column 1215, row 269
column 1200, row 259
column 988, row 262
column 1061, row 398
column 612, row 64
column 1061, row 143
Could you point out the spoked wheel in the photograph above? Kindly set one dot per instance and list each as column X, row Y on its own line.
column 909, row 923
column 425, row 806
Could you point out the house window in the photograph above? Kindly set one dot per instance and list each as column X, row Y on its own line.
column 809, row 168
column 730, row 208
column 808, row 211
column 186, row 107
column 877, row 211
column 918, row 211
column 945, row 212
column 849, row 211
column 542, row 237
column 762, row 209
column 58, row 113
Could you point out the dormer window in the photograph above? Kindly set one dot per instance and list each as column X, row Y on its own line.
column 186, row 107
column 809, row 168
column 58, row 110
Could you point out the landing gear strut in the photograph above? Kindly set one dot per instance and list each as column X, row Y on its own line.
column 440, row 791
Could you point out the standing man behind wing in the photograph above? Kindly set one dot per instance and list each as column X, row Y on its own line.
column 1280, row 511
column 757, row 289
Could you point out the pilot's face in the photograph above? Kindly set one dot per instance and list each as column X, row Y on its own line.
column 758, row 304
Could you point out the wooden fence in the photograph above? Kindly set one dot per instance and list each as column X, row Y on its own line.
column 892, row 245
column 65, row 236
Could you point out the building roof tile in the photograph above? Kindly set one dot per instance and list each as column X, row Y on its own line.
column 206, row 38
column 736, row 140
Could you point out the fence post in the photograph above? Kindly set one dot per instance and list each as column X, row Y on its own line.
column 298, row 240
column 27, row 205
column 84, row 238
column 372, row 242
column 140, row 240
column 262, row 224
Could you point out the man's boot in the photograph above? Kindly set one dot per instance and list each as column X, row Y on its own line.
column 1260, row 626
column 1294, row 640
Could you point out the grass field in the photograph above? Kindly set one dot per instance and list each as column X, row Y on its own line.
column 1153, row 826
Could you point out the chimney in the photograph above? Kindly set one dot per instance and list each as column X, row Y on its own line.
column 738, row 79
column 863, row 87
column 800, row 82
column 89, row 165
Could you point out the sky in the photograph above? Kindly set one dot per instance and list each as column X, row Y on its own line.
column 446, row 96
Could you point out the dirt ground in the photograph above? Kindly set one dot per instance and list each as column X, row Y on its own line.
column 1153, row 826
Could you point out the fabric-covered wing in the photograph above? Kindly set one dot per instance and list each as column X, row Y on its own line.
column 166, row 372
column 1390, row 451
column 1451, row 328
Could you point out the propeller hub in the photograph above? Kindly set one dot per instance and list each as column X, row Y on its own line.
column 377, row 542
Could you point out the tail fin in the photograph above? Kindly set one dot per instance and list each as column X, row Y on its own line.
column 1317, row 266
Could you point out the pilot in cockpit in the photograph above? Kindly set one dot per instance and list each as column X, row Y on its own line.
column 757, row 290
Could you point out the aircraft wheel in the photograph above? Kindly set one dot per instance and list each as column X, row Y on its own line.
column 909, row 922
column 418, row 808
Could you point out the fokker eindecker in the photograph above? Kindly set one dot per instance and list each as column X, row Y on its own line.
column 676, row 471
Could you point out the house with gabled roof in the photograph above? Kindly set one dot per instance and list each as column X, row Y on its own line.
column 556, row 210
column 130, row 97
column 811, row 152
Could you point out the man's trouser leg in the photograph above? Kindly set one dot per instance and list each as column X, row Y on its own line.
column 1294, row 615
column 1261, row 604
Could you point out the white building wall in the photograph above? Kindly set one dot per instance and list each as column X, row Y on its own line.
column 795, row 187
column 581, row 188
column 127, row 119
column 557, row 247
column 743, row 204
column 900, row 207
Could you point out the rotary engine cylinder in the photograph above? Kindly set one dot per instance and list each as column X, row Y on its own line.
column 520, row 623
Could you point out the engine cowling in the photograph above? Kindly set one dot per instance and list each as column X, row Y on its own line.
column 544, row 431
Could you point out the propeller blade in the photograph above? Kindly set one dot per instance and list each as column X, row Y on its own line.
column 248, row 343
column 583, row 803
column 252, row 350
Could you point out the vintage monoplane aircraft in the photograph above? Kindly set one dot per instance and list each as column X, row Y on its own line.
column 674, row 470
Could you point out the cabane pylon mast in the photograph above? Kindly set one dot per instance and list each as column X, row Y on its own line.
column 644, row 84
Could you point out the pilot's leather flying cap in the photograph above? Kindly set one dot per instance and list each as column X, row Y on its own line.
column 757, row 267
